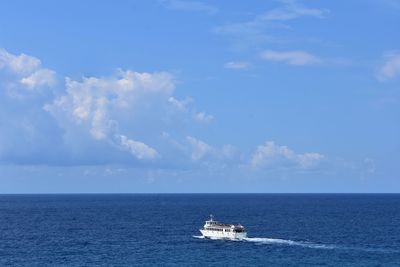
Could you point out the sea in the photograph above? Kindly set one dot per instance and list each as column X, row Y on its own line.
column 163, row 230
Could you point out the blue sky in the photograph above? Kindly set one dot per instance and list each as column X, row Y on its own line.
column 199, row 96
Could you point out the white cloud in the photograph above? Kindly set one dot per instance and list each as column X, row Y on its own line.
column 203, row 117
column 100, row 105
column 104, row 119
column 199, row 148
column 201, row 151
column 22, row 64
column 138, row 149
column 308, row 160
column 270, row 154
column 41, row 77
column 191, row 6
column 237, row 65
column 292, row 10
column 180, row 104
column 390, row 69
column 26, row 72
column 261, row 28
column 298, row 58
column 27, row 134
column 94, row 119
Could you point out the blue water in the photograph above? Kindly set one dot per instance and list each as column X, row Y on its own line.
column 150, row 230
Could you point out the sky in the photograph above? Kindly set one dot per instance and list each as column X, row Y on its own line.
column 187, row 96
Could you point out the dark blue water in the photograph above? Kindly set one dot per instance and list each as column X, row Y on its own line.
column 150, row 230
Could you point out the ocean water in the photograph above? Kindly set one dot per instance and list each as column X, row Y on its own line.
column 162, row 230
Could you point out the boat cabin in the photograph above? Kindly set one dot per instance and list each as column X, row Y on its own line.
column 213, row 225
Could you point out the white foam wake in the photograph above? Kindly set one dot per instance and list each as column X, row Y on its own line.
column 305, row 244
column 288, row 242
column 278, row 241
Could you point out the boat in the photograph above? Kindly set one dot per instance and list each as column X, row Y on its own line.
column 213, row 229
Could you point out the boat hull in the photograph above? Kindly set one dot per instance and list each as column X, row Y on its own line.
column 223, row 235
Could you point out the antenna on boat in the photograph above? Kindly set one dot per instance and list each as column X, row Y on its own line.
column 211, row 217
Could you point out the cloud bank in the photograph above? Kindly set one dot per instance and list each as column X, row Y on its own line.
column 130, row 118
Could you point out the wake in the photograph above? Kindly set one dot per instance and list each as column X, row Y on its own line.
column 276, row 241
column 305, row 244
column 287, row 242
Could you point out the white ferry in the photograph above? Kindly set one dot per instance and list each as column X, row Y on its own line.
column 215, row 230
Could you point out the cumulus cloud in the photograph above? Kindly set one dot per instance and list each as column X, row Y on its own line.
column 93, row 119
column 269, row 154
column 39, row 78
column 297, row 58
column 100, row 106
column 390, row 69
column 27, row 134
column 190, row 6
column 180, row 104
column 21, row 64
column 138, row 149
column 237, row 65
column 200, row 150
column 25, row 72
